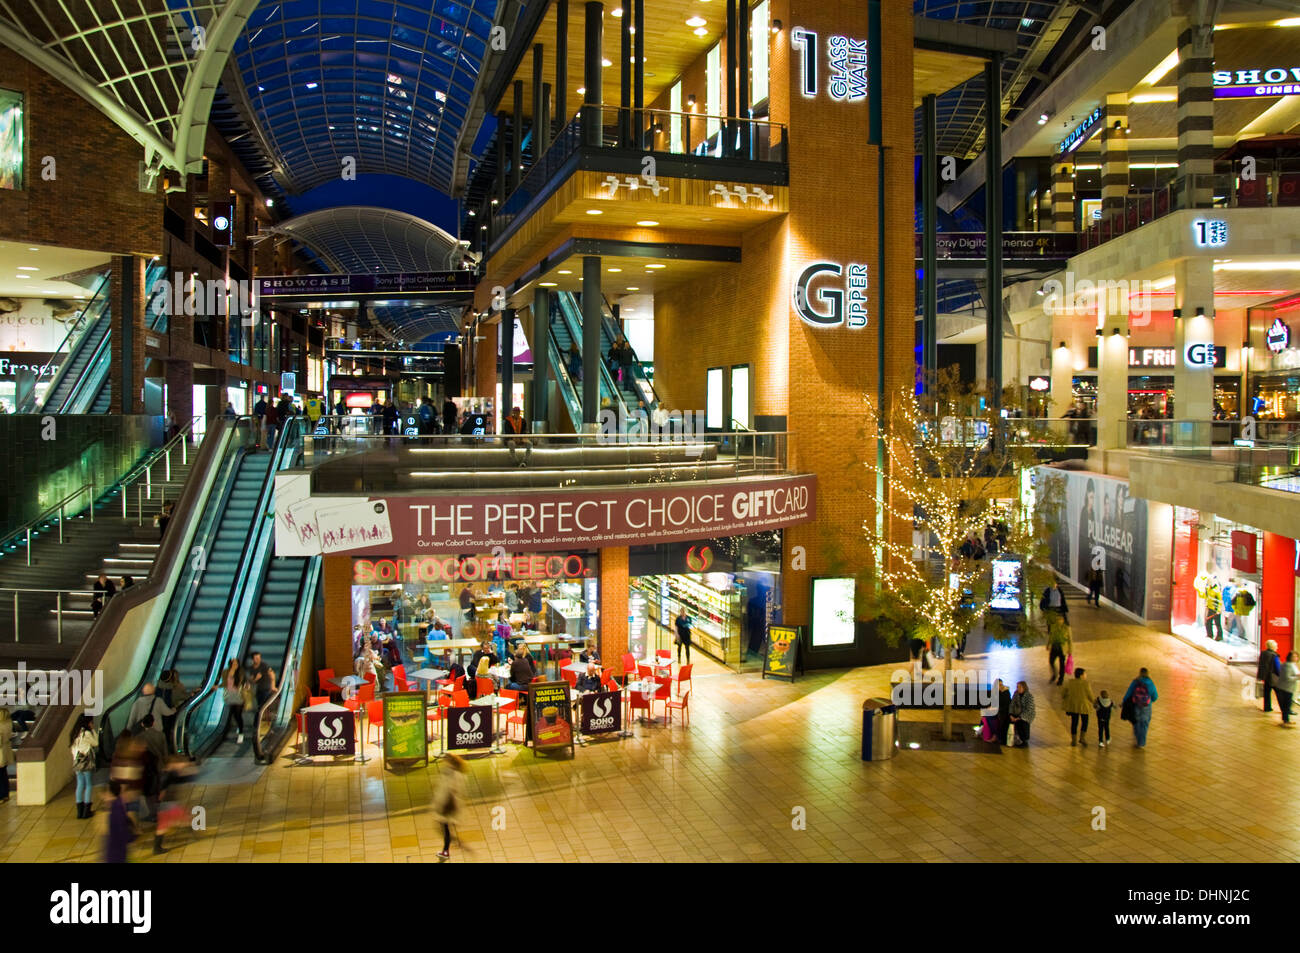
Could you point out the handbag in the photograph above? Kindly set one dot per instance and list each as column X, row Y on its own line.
column 1127, row 711
column 1259, row 688
column 1069, row 664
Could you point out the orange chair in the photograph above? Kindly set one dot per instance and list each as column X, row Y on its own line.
column 571, row 678
column 629, row 666
column 366, row 693
column 370, row 677
column 353, row 703
column 644, row 671
column 665, row 654
column 399, row 671
column 324, row 680
column 664, row 692
column 400, row 684
column 607, row 682
column 514, row 714
column 374, row 716
column 684, row 675
column 640, row 701
column 314, row 700
column 433, row 716
column 455, row 686
column 485, row 686
column 460, row 699
column 681, row 703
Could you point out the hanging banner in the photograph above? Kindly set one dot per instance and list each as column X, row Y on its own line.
column 330, row 731
column 405, row 737
column 1245, row 551
column 781, row 652
column 600, row 712
column 469, row 727
column 550, row 715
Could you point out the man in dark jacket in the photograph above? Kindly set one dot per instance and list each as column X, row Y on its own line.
column 449, row 414
column 1267, row 671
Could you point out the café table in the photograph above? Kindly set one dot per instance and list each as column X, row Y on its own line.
column 429, row 675
column 645, row 687
column 458, row 646
column 579, row 668
column 484, row 701
column 656, row 663
column 501, row 672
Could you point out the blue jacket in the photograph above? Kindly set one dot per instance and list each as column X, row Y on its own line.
column 1151, row 688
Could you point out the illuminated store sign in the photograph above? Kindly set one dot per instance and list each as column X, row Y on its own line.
column 1080, row 133
column 831, row 299
column 1276, row 81
column 366, row 572
column 1040, row 384
column 1199, row 354
column 1157, row 357
column 848, row 65
column 1210, row 232
column 1278, row 336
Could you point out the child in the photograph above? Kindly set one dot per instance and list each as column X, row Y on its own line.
column 1104, row 707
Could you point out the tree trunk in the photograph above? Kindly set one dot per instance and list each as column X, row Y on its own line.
column 947, row 702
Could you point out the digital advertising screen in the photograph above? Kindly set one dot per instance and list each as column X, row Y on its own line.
column 832, row 611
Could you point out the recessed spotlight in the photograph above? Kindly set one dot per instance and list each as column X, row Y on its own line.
column 648, row 223
column 633, row 288
column 312, row 85
column 606, row 63
column 564, row 272
column 614, row 271
column 616, row 12
column 656, row 266
column 696, row 21
column 582, row 90
column 22, row 276
column 700, row 31
column 28, row 268
column 595, row 211
column 32, row 248
column 547, row 284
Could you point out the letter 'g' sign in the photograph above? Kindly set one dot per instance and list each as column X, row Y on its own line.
column 1199, row 355
column 824, row 306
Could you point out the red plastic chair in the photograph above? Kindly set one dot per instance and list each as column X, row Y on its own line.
column 640, row 701
column 608, row 683
column 515, row 715
column 399, row 671
column 684, row 675
column 324, row 679
column 370, row 677
column 681, row 703
column 458, row 685
column 314, row 700
column 401, row 684
column 485, row 686
column 629, row 666
column 644, row 671
column 664, row 654
column 434, row 715
column 374, row 716
column 665, row 691
column 459, row 699
column 571, row 678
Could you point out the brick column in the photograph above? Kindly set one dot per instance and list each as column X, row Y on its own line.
column 126, row 364
column 1114, row 157
column 613, row 605
column 180, row 391
column 1196, row 115
column 1063, row 198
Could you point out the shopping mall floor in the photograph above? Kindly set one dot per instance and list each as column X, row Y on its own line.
column 1218, row 781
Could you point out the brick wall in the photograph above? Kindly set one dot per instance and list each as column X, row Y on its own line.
column 94, row 201
column 336, row 578
column 613, row 604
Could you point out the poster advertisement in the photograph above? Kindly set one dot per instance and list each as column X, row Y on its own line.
column 469, row 728
column 330, row 730
column 782, row 651
column 550, row 715
column 404, row 727
column 1102, row 527
column 1007, row 582
column 600, row 712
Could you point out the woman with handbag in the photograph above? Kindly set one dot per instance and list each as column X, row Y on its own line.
column 1079, row 703
column 84, row 741
column 233, row 686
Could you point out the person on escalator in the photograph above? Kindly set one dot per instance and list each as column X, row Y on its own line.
column 272, row 418
column 575, row 361
column 233, row 692
column 259, row 418
column 262, row 677
column 149, row 703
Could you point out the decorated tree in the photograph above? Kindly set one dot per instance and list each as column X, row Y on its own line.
column 956, row 469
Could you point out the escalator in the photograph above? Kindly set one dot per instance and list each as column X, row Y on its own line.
column 566, row 329
column 232, row 597
column 82, row 384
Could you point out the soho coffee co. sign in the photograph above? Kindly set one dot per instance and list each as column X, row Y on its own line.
column 544, row 521
column 831, row 304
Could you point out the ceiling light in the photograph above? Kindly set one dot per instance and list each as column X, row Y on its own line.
column 700, row 31
column 607, row 63
column 28, row 268
column 564, row 272
column 32, row 248
column 23, row 276
column 595, row 211
column 547, row 284
column 776, row 27
column 633, row 288
column 1026, row 22
column 1042, row 119
column 616, row 12
column 647, row 223
column 582, row 90
column 696, row 21
column 656, row 266
column 613, row 271
column 312, row 85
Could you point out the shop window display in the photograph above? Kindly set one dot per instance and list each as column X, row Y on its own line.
column 1216, row 605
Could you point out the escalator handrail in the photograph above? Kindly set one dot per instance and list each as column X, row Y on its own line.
column 229, row 618
column 85, row 390
column 567, row 389
column 310, row 580
column 81, row 324
column 165, row 639
column 607, row 382
column 610, row 327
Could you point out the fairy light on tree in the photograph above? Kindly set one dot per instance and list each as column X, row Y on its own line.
column 954, row 467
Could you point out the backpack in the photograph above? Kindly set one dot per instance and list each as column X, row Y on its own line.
column 1141, row 698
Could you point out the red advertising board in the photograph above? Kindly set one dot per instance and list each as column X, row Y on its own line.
column 1245, row 547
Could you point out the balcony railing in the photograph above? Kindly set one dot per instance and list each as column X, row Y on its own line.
column 1276, row 184
column 652, row 133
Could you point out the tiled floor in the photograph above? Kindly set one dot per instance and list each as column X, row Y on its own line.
column 1216, row 782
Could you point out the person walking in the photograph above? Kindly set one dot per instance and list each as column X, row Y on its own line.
column 262, row 678
column 1104, row 708
column 1095, row 580
column 1079, row 703
column 1285, row 685
column 1139, row 698
column 233, row 691
column 271, row 417
column 1266, row 672
column 1021, row 711
column 163, row 519
column 104, row 590
column 683, row 640
column 84, row 741
column 121, row 827
column 449, row 415
column 447, row 799
column 259, row 422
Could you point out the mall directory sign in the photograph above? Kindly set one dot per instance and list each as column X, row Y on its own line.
column 782, row 651
column 600, row 712
column 550, row 715
column 543, row 520
column 405, row 737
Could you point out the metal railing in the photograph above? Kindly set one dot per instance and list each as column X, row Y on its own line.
column 61, row 508
column 283, row 698
column 12, row 598
column 141, row 476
